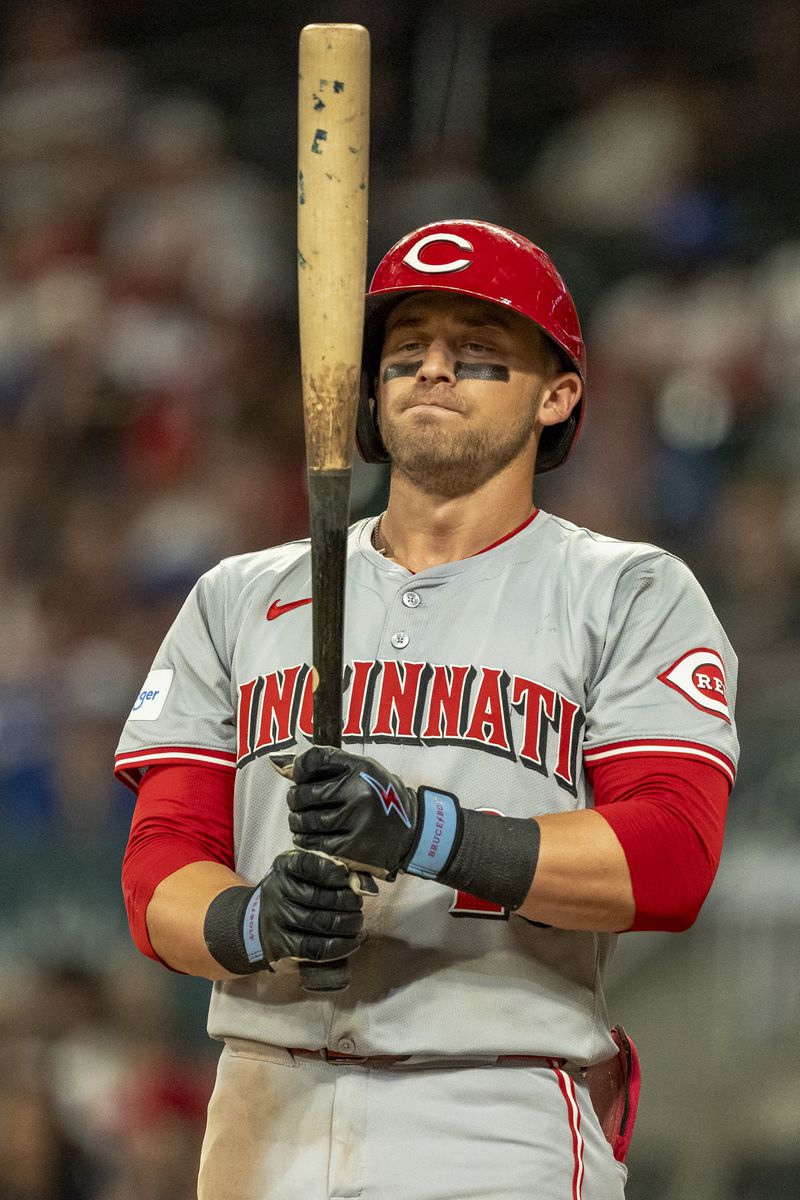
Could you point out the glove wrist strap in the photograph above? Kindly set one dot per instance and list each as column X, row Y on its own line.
column 442, row 828
column 231, row 931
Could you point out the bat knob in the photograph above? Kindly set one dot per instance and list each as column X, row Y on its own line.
column 331, row 976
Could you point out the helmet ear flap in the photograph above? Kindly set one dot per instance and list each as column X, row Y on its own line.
column 368, row 438
column 556, row 442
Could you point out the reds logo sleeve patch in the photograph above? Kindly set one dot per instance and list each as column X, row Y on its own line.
column 699, row 675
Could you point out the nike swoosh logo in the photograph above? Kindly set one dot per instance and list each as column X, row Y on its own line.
column 276, row 609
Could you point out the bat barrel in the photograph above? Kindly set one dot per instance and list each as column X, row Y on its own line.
column 333, row 163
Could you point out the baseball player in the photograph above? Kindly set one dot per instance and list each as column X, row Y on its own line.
column 538, row 746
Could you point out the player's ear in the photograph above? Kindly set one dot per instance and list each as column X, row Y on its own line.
column 559, row 398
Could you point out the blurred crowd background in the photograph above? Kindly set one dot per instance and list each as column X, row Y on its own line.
column 150, row 423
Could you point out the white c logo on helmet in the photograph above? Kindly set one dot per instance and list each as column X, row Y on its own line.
column 458, row 264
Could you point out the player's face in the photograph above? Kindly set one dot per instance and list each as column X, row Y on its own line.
column 463, row 391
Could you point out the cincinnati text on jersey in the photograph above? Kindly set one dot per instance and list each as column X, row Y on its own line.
column 419, row 703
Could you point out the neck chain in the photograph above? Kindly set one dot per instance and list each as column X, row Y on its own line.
column 376, row 537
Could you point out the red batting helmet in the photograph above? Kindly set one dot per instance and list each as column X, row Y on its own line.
column 473, row 258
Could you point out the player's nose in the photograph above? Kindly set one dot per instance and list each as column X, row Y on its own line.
column 438, row 363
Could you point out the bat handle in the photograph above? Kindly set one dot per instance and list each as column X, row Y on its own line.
column 329, row 508
column 330, row 976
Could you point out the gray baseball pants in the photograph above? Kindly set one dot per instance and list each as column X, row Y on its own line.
column 284, row 1127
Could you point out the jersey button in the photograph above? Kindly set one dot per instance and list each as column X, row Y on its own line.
column 400, row 640
column 411, row 599
column 345, row 1045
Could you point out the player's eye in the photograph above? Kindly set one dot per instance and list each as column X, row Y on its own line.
column 476, row 347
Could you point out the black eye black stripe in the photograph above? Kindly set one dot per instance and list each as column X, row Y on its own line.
column 400, row 369
column 492, row 372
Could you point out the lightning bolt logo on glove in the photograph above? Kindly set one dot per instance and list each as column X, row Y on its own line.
column 389, row 799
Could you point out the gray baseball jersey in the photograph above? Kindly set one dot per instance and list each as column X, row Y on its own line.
column 501, row 678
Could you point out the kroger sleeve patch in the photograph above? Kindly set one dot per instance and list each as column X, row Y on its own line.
column 666, row 683
column 183, row 712
column 151, row 699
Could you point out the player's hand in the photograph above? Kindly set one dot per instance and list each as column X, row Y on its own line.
column 308, row 909
column 304, row 908
column 353, row 808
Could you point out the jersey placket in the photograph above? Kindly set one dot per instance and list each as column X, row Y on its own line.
column 403, row 621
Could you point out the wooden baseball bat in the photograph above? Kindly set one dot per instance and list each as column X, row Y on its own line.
column 333, row 163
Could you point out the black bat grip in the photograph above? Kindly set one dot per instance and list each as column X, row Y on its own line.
column 329, row 508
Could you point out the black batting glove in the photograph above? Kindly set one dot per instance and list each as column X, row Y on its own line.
column 353, row 808
column 304, row 908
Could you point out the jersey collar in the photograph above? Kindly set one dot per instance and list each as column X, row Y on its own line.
column 364, row 534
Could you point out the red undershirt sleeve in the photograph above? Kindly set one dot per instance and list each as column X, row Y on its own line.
column 184, row 814
column 669, row 817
